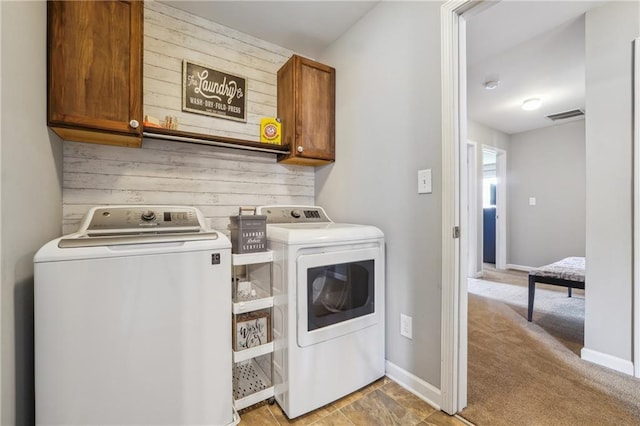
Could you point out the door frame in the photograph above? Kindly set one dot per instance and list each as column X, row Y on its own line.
column 501, row 205
column 501, row 209
column 636, row 207
column 474, row 269
column 453, row 373
column 1, row 258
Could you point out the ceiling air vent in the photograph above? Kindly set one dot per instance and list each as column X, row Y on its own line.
column 566, row 114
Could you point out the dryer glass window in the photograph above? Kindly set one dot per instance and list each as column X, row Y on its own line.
column 340, row 292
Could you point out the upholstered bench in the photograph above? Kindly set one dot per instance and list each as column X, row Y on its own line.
column 568, row 272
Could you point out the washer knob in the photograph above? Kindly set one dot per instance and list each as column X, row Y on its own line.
column 148, row 215
column 296, row 213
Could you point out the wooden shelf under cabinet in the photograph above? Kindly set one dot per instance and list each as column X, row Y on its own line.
column 222, row 141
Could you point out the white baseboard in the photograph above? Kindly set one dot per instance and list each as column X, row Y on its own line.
column 423, row 390
column 606, row 360
column 520, row 267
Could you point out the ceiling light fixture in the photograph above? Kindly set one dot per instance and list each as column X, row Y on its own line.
column 492, row 84
column 531, row 104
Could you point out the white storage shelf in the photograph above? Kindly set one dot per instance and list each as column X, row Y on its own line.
column 252, row 305
column 252, row 258
column 251, row 383
column 243, row 355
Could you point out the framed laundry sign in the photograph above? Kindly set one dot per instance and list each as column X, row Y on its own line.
column 251, row 329
column 211, row 92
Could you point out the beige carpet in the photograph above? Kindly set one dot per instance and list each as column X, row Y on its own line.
column 520, row 374
column 559, row 315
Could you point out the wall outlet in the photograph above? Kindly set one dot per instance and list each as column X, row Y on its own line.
column 532, row 201
column 406, row 328
column 424, row 181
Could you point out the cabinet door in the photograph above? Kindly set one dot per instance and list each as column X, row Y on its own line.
column 306, row 106
column 315, row 127
column 95, row 66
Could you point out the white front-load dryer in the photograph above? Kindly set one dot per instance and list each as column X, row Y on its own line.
column 328, row 314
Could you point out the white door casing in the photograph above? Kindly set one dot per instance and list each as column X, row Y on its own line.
column 473, row 212
column 1, row 259
column 636, row 208
column 501, row 209
column 451, row 335
column 453, row 383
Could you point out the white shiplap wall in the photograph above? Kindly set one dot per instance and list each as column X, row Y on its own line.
column 216, row 180
column 171, row 35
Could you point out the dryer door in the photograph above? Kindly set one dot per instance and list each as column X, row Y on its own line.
column 336, row 293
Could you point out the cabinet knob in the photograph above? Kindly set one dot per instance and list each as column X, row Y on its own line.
column 300, row 149
column 134, row 124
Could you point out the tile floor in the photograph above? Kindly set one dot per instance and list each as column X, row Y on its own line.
column 383, row 403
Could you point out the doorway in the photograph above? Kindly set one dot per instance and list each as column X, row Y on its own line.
column 494, row 214
column 455, row 265
column 489, row 216
column 485, row 208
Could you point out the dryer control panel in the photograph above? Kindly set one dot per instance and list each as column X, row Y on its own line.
column 294, row 214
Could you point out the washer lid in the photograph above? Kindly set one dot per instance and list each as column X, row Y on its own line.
column 299, row 233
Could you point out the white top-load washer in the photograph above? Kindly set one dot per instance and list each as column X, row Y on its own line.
column 133, row 321
column 328, row 314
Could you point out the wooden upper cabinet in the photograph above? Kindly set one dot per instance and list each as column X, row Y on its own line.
column 306, row 106
column 94, row 57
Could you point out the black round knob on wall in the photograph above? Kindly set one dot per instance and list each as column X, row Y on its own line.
column 296, row 213
column 148, row 215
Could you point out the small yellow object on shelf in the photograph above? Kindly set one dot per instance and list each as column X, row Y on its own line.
column 151, row 121
column 270, row 130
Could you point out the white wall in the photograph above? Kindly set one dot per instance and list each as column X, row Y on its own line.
column 610, row 30
column 482, row 134
column 216, row 180
column 388, row 126
column 31, row 194
column 549, row 165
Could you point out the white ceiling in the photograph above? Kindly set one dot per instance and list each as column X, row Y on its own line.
column 306, row 27
column 535, row 48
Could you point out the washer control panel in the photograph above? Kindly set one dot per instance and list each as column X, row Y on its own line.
column 119, row 219
column 293, row 214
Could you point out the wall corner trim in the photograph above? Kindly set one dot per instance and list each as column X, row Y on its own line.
column 423, row 390
column 606, row 360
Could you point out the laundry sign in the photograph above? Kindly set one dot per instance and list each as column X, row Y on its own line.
column 211, row 92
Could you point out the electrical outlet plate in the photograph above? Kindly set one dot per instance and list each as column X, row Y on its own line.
column 406, row 327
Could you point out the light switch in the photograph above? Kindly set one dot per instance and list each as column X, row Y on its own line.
column 424, row 181
column 532, row 201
